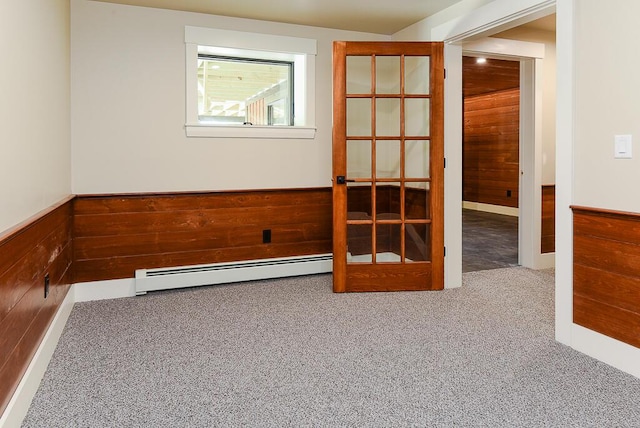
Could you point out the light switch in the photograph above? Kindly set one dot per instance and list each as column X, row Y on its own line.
column 623, row 147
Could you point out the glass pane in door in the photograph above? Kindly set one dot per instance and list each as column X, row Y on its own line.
column 416, row 75
column 416, row 201
column 359, row 201
column 358, row 75
column 388, row 159
column 417, row 242
column 387, row 75
column 388, row 243
column 388, row 117
column 358, row 117
column 358, row 159
column 388, row 201
column 416, row 158
column 416, row 117
column 359, row 243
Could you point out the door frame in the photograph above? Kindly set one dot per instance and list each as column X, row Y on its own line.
column 531, row 56
column 494, row 17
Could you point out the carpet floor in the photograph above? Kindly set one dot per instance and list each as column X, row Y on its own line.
column 289, row 352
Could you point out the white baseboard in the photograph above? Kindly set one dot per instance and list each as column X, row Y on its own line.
column 21, row 400
column 102, row 290
column 488, row 208
column 606, row 349
column 545, row 261
column 82, row 292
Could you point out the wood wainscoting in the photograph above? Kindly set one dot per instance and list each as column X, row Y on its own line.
column 491, row 148
column 117, row 234
column 36, row 248
column 606, row 272
column 548, row 226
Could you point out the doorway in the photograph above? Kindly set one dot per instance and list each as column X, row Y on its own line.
column 490, row 162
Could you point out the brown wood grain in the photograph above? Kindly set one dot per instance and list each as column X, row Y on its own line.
column 42, row 245
column 491, row 147
column 615, row 227
column 606, row 280
column 609, row 320
column 607, row 255
column 117, row 234
column 494, row 75
column 548, row 226
column 387, row 277
column 614, row 289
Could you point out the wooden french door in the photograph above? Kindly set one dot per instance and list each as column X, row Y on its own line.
column 388, row 166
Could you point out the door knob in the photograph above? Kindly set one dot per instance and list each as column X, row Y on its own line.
column 341, row 179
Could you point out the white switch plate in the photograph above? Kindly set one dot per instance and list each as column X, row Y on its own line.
column 623, row 147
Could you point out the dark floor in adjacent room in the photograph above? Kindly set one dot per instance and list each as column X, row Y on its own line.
column 489, row 241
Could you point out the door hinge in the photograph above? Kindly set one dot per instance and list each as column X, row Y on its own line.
column 445, row 73
column 445, row 162
column 445, row 251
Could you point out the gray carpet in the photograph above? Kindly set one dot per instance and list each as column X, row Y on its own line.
column 290, row 353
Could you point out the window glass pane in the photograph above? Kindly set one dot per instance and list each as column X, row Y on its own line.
column 358, row 74
column 237, row 90
column 388, row 117
column 387, row 75
column 358, row 159
column 388, row 159
column 416, row 117
column 358, row 117
column 416, row 72
column 416, row 163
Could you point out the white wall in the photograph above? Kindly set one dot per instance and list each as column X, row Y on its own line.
column 34, row 107
column 607, row 89
column 548, row 94
column 128, row 108
column 422, row 30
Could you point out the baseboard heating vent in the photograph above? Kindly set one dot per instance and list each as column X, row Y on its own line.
column 222, row 273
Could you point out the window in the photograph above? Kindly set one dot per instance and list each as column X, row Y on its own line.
column 244, row 91
column 249, row 85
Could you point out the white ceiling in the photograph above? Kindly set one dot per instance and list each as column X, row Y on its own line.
column 372, row 16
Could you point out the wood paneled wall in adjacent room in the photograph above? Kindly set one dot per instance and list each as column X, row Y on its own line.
column 491, row 148
column 606, row 272
column 548, row 227
column 38, row 247
column 117, row 234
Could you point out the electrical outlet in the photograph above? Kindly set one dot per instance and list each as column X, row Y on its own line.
column 266, row 236
column 46, row 285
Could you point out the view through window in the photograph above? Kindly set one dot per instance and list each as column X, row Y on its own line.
column 245, row 91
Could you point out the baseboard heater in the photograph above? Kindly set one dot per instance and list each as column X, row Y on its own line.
column 223, row 273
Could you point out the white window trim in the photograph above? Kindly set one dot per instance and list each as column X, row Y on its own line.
column 227, row 39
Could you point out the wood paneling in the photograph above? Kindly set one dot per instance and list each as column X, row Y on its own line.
column 42, row 245
column 548, row 227
column 491, row 148
column 493, row 76
column 606, row 264
column 117, row 234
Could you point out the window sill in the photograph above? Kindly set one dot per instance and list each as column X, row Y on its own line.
column 250, row 131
